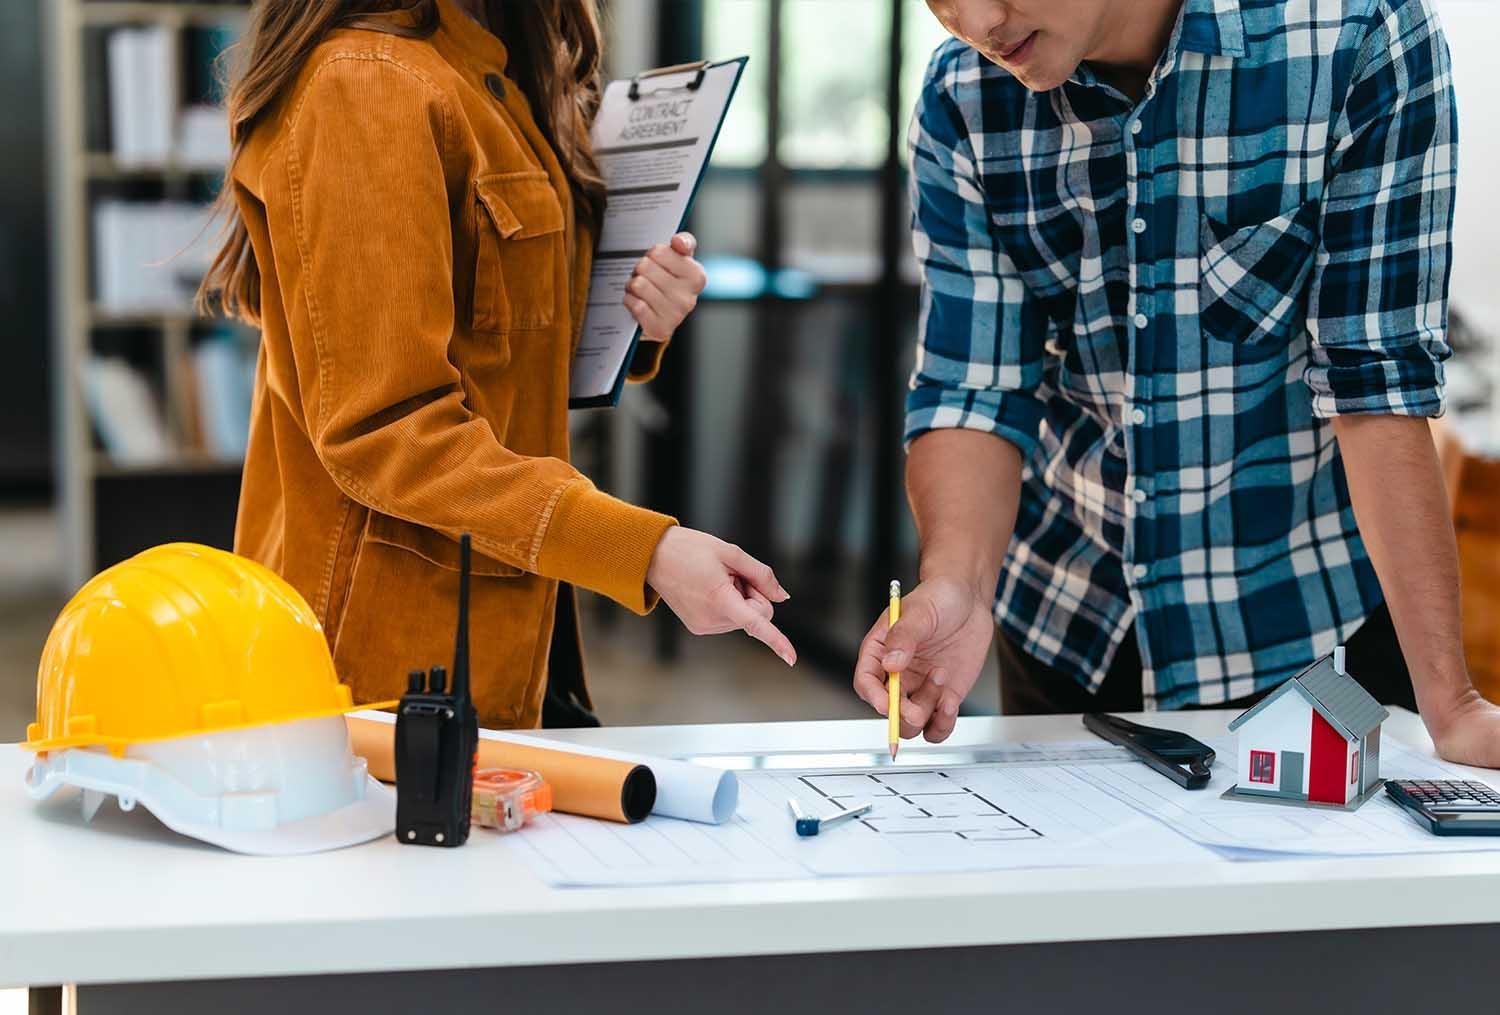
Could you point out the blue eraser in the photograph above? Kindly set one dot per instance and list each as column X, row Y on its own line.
column 807, row 827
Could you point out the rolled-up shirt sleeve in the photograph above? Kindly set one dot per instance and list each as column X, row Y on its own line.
column 980, row 334
column 1378, row 302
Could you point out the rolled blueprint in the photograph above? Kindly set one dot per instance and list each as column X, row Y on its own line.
column 683, row 789
column 596, row 787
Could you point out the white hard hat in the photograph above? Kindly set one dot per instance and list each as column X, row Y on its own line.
column 274, row 789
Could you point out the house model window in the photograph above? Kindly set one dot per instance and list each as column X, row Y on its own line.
column 1263, row 767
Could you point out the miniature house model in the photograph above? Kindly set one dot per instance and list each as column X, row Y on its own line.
column 1315, row 739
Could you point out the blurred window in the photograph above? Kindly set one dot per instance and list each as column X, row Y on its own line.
column 834, row 83
column 741, row 28
column 833, row 78
column 920, row 35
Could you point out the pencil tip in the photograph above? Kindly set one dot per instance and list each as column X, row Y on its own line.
column 894, row 749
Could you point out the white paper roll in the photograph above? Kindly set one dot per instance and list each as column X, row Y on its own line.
column 683, row 789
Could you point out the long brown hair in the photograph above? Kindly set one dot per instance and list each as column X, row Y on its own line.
column 555, row 56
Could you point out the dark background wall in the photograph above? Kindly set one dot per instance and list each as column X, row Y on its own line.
column 25, row 393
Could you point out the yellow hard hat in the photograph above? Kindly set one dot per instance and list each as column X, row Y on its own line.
column 181, row 640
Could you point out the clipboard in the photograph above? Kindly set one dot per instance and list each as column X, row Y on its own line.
column 653, row 137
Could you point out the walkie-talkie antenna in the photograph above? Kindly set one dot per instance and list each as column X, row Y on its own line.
column 461, row 646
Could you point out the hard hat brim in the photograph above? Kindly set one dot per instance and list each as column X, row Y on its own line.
column 193, row 787
column 362, row 821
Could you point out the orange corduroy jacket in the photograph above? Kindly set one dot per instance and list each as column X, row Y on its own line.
column 423, row 281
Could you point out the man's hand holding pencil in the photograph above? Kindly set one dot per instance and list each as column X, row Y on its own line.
column 938, row 646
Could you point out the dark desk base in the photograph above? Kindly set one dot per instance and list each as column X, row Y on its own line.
column 1406, row 969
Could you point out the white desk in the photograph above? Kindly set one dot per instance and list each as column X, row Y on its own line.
column 126, row 903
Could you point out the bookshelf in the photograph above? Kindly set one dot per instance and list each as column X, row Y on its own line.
column 111, row 505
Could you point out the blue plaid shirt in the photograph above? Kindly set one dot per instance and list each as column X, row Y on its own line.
column 1162, row 304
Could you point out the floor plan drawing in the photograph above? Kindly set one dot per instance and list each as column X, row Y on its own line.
column 1035, row 810
column 923, row 803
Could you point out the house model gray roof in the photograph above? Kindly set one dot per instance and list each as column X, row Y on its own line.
column 1336, row 696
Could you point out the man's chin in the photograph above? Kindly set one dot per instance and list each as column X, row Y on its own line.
column 1036, row 79
column 1040, row 81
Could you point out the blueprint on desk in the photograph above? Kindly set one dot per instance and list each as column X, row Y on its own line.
column 1243, row 829
column 1035, row 806
column 974, row 817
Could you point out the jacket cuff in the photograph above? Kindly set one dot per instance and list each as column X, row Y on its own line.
column 646, row 362
column 603, row 544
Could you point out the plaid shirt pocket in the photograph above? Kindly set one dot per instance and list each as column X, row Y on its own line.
column 1252, row 280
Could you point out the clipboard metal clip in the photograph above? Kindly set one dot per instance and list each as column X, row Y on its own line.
column 701, row 66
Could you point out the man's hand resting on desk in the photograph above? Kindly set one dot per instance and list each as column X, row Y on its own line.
column 938, row 646
column 1467, row 731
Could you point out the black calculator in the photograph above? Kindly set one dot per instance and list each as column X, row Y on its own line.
column 1449, row 806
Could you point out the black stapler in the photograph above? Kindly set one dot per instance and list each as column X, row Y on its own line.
column 1175, row 755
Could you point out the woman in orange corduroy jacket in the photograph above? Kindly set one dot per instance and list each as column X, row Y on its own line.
column 412, row 206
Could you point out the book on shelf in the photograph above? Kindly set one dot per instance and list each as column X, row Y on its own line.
column 149, row 256
column 143, row 98
column 203, row 137
column 151, row 122
column 222, row 370
column 216, row 376
column 126, row 412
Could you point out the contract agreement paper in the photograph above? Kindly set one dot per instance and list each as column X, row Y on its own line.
column 652, row 139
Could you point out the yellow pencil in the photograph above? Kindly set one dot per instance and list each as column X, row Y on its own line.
column 893, row 680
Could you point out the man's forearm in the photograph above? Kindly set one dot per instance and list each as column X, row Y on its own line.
column 1404, row 519
column 964, row 487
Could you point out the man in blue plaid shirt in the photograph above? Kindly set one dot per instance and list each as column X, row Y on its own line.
column 1183, row 321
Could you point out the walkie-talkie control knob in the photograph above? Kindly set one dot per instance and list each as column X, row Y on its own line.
column 437, row 681
column 414, row 681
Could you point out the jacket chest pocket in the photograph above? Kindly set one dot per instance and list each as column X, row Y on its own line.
column 518, row 232
column 1252, row 280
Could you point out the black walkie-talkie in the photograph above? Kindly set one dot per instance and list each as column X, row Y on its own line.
column 437, row 734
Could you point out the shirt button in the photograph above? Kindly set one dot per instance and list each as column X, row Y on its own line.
column 1135, row 126
column 496, row 84
column 1138, row 416
column 1138, row 226
column 1139, row 570
column 1139, row 496
column 1141, row 320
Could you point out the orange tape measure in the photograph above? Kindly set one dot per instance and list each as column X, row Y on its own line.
column 507, row 798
